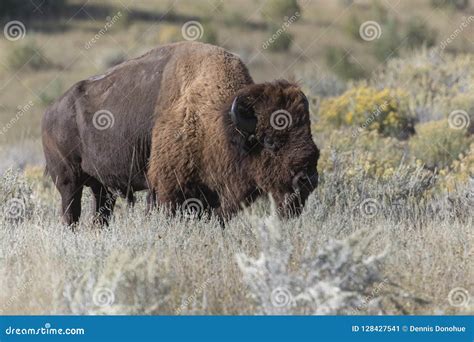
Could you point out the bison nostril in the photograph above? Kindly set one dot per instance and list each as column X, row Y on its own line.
column 296, row 182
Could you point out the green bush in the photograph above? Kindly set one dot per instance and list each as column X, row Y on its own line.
column 387, row 45
column 352, row 26
column 280, row 40
column 113, row 58
column 418, row 33
column 209, row 34
column 232, row 18
column 380, row 13
column 342, row 64
column 275, row 11
column 27, row 55
column 51, row 93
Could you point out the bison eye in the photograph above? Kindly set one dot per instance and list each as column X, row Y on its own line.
column 269, row 143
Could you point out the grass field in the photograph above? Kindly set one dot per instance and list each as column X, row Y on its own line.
column 388, row 231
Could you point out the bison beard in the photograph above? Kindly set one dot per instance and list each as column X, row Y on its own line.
column 187, row 123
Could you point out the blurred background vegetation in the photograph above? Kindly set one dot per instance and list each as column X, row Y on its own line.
column 379, row 102
column 391, row 92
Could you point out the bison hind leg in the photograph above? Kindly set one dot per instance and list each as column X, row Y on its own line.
column 104, row 202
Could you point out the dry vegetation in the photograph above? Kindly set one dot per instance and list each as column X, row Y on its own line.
column 389, row 230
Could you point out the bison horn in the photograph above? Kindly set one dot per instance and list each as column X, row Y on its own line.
column 243, row 116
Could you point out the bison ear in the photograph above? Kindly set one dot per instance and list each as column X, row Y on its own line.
column 243, row 116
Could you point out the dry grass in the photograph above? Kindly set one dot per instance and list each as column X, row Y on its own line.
column 344, row 255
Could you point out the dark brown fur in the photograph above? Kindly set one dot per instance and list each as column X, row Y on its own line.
column 173, row 135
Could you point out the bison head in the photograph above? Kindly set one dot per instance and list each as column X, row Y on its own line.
column 273, row 122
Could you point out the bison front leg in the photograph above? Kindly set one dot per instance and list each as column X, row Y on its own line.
column 70, row 187
column 150, row 202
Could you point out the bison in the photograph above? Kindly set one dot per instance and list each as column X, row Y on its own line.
column 186, row 122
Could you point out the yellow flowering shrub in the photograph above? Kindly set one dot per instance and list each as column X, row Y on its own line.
column 368, row 155
column 385, row 111
column 437, row 145
column 461, row 171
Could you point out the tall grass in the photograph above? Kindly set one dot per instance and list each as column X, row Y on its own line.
column 359, row 247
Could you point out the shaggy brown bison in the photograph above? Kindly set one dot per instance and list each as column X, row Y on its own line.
column 187, row 122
